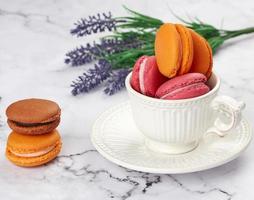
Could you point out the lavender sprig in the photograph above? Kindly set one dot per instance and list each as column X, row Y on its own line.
column 94, row 24
column 92, row 78
column 116, row 81
column 133, row 36
column 86, row 54
column 81, row 55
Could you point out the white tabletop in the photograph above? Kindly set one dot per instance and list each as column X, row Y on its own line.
column 34, row 39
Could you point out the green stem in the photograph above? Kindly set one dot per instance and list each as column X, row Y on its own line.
column 232, row 34
column 125, row 58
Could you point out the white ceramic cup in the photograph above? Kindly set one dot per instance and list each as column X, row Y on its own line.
column 176, row 126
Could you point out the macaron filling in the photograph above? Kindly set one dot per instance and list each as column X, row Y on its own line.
column 141, row 75
column 34, row 154
column 30, row 124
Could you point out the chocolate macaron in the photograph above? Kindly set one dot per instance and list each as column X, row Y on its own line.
column 33, row 116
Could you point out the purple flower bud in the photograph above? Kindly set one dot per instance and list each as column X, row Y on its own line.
column 116, row 81
column 86, row 54
column 94, row 24
column 92, row 78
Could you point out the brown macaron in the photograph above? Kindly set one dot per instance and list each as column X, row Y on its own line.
column 33, row 116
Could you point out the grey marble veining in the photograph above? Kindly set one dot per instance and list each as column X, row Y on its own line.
column 34, row 36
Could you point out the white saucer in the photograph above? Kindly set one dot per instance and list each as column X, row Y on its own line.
column 116, row 137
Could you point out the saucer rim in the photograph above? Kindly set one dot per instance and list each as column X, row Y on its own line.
column 162, row 170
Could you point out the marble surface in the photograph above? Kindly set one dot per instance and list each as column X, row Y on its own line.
column 34, row 36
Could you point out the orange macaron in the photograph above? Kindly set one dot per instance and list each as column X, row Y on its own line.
column 168, row 50
column 33, row 150
column 180, row 50
column 209, row 72
column 187, row 49
column 202, row 58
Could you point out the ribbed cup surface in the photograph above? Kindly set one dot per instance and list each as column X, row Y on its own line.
column 175, row 121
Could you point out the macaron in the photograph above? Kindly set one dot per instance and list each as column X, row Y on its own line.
column 33, row 150
column 202, row 57
column 33, row 116
column 183, row 87
column 146, row 77
column 210, row 69
column 168, row 50
column 187, row 49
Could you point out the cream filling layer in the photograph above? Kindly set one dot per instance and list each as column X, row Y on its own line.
column 35, row 154
column 141, row 76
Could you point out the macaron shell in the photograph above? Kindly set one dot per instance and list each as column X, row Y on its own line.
column 187, row 49
column 168, row 50
column 202, row 59
column 32, row 143
column 189, row 91
column 135, row 74
column 179, row 82
column 152, row 77
column 34, row 130
column 34, row 161
column 33, row 111
column 209, row 72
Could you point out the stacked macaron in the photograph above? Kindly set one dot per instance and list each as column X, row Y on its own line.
column 34, row 139
column 180, row 68
column 146, row 77
column 180, row 50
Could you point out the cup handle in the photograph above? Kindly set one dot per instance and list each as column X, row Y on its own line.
column 232, row 109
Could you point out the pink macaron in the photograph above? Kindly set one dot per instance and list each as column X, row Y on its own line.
column 183, row 87
column 146, row 77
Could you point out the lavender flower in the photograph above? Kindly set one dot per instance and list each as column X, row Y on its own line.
column 114, row 45
column 83, row 55
column 89, row 53
column 94, row 24
column 92, row 78
column 79, row 56
column 116, row 81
